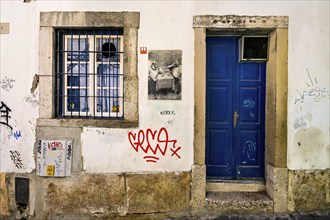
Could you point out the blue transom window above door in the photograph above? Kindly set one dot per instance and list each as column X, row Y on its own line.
column 89, row 73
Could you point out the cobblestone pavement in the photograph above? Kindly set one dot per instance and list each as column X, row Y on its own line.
column 317, row 215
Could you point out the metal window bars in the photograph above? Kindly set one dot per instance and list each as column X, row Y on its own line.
column 89, row 73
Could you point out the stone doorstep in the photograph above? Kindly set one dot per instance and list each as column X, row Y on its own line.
column 244, row 202
column 240, row 186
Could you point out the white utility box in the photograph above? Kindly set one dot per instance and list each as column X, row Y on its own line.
column 54, row 158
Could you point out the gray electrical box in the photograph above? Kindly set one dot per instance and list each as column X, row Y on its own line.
column 22, row 185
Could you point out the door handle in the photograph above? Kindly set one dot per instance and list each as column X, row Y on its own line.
column 235, row 118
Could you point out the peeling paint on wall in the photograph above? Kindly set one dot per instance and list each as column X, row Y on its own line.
column 32, row 99
column 35, row 83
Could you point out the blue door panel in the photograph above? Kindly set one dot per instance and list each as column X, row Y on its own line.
column 218, row 64
column 233, row 151
column 220, row 156
column 219, row 99
column 250, row 72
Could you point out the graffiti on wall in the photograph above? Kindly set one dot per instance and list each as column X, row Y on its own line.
column 6, row 84
column 15, row 156
column 250, row 150
column 169, row 122
column 154, row 143
column 16, row 134
column 5, row 115
column 249, row 103
column 314, row 91
column 167, row 112
column 168, row 118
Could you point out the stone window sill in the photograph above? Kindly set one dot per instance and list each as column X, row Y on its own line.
column 98, row 123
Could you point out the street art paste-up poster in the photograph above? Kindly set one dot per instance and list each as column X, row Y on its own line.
column 164, row 74
column 54, row 158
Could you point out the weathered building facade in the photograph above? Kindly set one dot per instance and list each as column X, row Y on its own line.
column 148, row 108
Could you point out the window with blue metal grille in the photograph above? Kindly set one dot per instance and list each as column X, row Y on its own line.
column 89, row 73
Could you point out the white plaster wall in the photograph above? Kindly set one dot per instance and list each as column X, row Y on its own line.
column 168, row 25
column 18, row 63
column 309, row 85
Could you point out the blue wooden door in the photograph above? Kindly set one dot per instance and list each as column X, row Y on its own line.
column 235, row 112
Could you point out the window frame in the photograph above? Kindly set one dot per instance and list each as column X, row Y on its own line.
column 49, row 23
column 242, row 40
column 92, row 65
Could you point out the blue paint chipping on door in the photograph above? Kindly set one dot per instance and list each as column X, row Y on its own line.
column 235, row 112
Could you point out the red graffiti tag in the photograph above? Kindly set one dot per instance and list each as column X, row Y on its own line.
column 153, row 142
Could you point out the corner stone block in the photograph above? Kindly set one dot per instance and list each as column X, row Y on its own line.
column 198, row 186
column 4, row 206
column 46, row 97
column 277, row 187
column 308, row 190
column 159, row 192
column 46, row 51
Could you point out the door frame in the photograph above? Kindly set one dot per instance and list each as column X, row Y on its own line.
column 276, row 98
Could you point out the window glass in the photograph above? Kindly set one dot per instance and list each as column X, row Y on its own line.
column 78, row 74
column 77, row 48
column 108, row 75
column 77, row 100
column 255, row 48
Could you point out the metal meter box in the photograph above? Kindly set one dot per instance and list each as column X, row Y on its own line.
column 54, row 158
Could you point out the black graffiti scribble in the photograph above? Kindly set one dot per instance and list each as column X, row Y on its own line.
column 39, row 147
column 6, row 84
column 4, row 115
column 169, row 123
column 15, row 156
column 69, row 152
column 167, row 112
column 314, row 91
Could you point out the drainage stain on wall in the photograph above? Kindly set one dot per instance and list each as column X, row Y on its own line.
column 310, row 144
column 302, row 120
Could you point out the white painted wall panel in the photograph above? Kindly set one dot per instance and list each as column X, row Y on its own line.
column 168, row 25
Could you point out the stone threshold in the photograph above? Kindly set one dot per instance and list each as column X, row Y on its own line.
column 239, row 202
column 235, row 186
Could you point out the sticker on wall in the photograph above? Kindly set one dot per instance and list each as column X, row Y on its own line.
column 164, row 74
column 143, row 50
column 54, row 158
